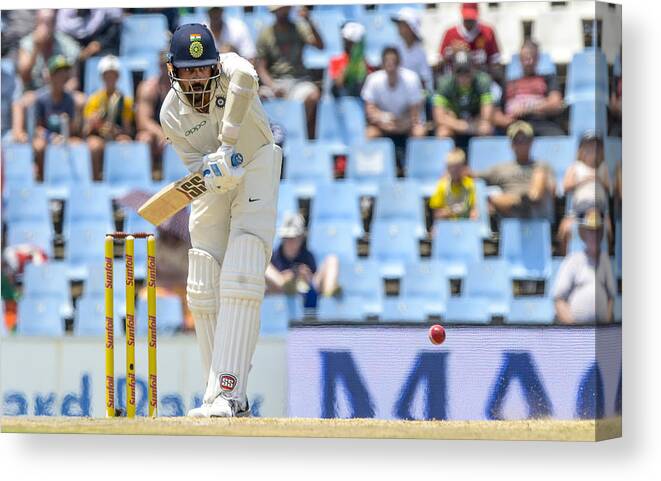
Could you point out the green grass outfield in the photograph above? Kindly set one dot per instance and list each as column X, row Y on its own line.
column 533, row 430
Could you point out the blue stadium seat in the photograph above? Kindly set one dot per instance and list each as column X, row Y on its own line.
column 545, row 66
column 333, row 237
column 390, row 8
column 467, row 310
column 89, row 203
column 457, row 243
column 93, row 81
column 337, row 201
column 526, row 245
column 371, row 162
column 587, row 78
column 398, row 309
column 17, row 165
column 361, row 280
column 169, row 315
column 401, row 201
column 144, row 34
column 612, row 156
column 352, row 120
column 274, row 316
column 90, row 316
column 173, row 167
column 328, row 24
column 381, row 32
column 66, row 166
column 95, row 280
column 195, row 17
column 393, row 244
column 34, row 233
column 425, row 160
column 618, row 250
column 49, row 280
column 4, row 332
column 127, row 165
column 489, row 279
column 558, row 152
column 39, row 317
column 290, row 115
column 308, row 164
column 485, row 152
column 531, row 310
column 137, row 223
column 257, row 21
column 27, row 204
column 482, row 199
column 426, row 281
column 345, row 309
column 328, row 120
column 350, row 12
column 85, row 247
column 587, row 115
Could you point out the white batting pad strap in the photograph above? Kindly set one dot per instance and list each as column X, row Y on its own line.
column 203, row 284
column 242, row 276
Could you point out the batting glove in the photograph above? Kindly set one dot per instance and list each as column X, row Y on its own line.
column 222, row 170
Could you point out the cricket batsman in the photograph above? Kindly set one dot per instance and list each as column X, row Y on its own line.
column 216, row 123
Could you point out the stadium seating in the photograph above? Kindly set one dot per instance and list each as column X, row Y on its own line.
column 49, row 280
column 144, row 34
column 425, row 160
column 17, row 166
column 400, row 201
column 531, row 310
column 127, row 165
column 290, row 115
column 90, row 316
column 36, row 234
column 350, row 11
column 560, row 47
column 39, row 317
column 587, row 115
column 371, row 162
column 457, row 243
column 612, row 156
column 93, row 81
column 351, row 309
column 85, row 247
column 137, row 223
column 274, row 316
column 257, row 20
column 545, row 66
column 617, row 308
column 489, row 279
column 4, row 332
column 393, row 244
column 485, row 152
column 381, row 32
column 360, row 281
column 88, row 203
column 67, row 165
column 587, row 78
column 169, row 315
column 526, row 245
column 337, row 201
column 558, row 152
column 27, row 204
column 482, row 199
column 173, row 167
column 328, row 24
column 467, row 311
column 618, row 249
column 352, row 120
column 427, row 282
column 308, row 164
column 397, row 309
column 328, row 120
column 333, row 237
column 287, row 203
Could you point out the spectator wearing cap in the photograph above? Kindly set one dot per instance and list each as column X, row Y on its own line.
column 280, row 61
column 108, row 114
column 57, row 117
column 454, row 197
column 586, row 184
column 527, row 186
column 393, row 96
column 349, row 69
column 584, row 287
column 475, row 37
column 231, row 34
column 293, row 268
column 534, row 98
column 463, row 105
column 411, row 50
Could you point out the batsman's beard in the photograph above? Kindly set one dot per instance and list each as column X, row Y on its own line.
column 193, row 92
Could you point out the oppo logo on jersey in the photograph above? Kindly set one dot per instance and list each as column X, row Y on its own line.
column 195, row 128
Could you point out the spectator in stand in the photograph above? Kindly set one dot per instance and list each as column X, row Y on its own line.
column 533, row 98
column 411, row 50
column 615, row 101
column 454, row 197
column 56, row 114
column 108, row 114
column 527, row 186
column 39, row 46
column 16, row 24
column 463, row 105
column 96, row 30
column 293, row 268
column 149, row 97
column 280, row 60
column 349, row 69
column 584, row 288
column 477, row 38
column 231, row 34
column 393, row 97
column 586, row 184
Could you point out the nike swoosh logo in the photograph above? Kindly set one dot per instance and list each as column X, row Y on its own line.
column 250, row 199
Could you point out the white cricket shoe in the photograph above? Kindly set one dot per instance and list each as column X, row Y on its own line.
column 221, row 408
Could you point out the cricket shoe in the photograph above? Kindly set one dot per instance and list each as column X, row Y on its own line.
column 221, row 408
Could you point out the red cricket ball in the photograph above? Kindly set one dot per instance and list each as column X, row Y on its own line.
column 437, row 334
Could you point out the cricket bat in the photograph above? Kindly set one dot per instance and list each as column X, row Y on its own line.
column 172, row 198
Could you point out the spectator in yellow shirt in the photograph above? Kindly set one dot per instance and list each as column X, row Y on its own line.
column 454, row 197
column 108, row 114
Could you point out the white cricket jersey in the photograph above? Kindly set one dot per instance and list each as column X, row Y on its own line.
column 194, row 134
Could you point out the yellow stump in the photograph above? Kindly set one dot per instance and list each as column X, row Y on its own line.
column 110, row 333
column 151, row 313
column 129, row 248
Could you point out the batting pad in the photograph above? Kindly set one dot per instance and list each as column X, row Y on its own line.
column 241, row 293
column 203, row 297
